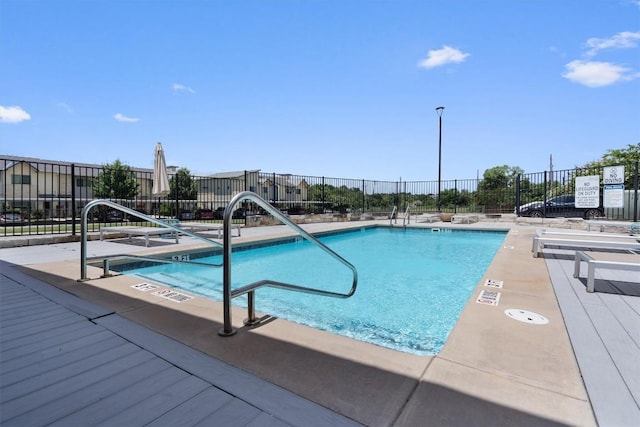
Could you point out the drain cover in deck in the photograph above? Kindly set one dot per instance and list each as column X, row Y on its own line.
column 526, row 316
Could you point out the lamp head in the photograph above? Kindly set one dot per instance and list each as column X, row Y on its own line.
column 439, row 110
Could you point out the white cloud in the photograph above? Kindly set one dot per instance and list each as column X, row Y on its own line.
column 444, row 56
column 13, row 114
column 596, row 74
column 177, row 88
column 623, row 40
column 66, row 107
column 121, row 118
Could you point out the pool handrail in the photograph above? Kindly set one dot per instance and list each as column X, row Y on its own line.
column 104, row 202
column 107, row 258
column 229, row 294
column 406, row 220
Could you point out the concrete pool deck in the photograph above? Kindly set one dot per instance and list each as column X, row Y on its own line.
column 493, row 369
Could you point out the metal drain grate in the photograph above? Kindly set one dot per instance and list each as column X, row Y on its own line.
column 526, row 316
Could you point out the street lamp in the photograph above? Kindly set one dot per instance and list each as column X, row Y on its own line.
column 439, row 110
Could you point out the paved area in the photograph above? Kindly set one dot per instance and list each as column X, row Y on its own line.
column 492, row 371
column 65, row 361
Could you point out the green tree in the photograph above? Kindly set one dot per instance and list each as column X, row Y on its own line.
column 187, row 187
column 497, row 188
column 613, row 157
column 116, row 181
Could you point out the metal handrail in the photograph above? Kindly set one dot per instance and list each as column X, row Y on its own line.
column 228, row 294
column 393, row 215
column 83, row 228
column 406, row 220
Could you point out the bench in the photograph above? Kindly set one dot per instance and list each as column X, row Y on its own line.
column 219, row 228
column 540, row 241
column 427, row 218
column 140, row 231
column 464, row 219
column 619, row 261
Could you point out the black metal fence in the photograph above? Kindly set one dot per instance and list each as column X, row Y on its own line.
column 47, row 198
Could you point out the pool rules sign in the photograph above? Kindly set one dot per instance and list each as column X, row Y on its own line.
column 587, row 191
column 613, row 180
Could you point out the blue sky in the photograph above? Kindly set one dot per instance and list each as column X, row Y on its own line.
column 336, row 88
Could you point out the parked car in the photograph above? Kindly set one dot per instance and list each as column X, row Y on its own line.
column 11, row 219
column 186, row 215
column 558, row 206
column 205, row 214
column 219, row 213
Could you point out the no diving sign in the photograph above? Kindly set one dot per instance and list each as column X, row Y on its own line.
column 613, row 175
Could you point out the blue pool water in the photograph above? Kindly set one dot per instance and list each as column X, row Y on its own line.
column 412, row 287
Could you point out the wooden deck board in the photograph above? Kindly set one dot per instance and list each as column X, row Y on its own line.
column 125, row 394
column 603, row 348
column 84, row 365
column 194, row 410
column 163, row 401
column 67, row 397
column 30, row 343
column 42, row 362
column 236, row 412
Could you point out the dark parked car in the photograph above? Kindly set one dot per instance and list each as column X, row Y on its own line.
column 219, row 213
column 205, row 214
column 558, row 206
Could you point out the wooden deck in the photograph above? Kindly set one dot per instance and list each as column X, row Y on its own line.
column 64, row 361
column 604, row 328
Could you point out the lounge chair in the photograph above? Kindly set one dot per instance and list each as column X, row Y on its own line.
column 464, row 219
column 612, row 261
column 139, row 231
column 583, row 241
column 427, row 218
column 203, row 226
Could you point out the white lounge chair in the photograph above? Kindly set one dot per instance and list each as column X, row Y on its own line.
column 140, row 231
column 613, row 261
column 203, row 226
column 464, row 219
column 583, row 241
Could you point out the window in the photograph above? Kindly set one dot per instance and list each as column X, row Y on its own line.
column 21, row 179
column 82, row 182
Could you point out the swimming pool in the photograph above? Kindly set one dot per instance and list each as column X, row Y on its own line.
column 412, row 287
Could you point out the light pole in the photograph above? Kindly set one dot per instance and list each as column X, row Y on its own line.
column 439, row 110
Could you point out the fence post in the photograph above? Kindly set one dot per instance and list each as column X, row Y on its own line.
column 544, row 199
column 323, row 205
column 518, row 178
column 635, row 198
column 73, row 199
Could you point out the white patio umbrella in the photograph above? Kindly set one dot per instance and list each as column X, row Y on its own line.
column 160, row 175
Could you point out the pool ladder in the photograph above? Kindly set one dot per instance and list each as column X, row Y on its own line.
column 228, row 293
column 162, row 223
column 249, row 289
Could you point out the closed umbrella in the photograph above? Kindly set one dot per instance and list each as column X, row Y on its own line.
column 160, row 175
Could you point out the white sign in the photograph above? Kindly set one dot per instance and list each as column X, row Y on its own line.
column 587, row 191
column 613, row 175
column 614, row 196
